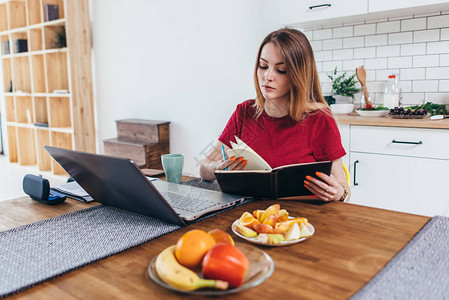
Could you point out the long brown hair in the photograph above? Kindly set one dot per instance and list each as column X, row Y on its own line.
column 305, row 89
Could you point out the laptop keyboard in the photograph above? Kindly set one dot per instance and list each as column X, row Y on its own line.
column 178, row 201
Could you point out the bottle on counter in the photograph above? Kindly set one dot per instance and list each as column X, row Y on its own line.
column 392, row 93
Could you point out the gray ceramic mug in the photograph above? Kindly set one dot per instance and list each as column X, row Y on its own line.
column 173, row 164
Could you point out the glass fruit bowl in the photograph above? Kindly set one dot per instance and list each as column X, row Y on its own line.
column 261, row 267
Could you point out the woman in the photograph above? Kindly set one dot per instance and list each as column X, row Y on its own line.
column 289, row 122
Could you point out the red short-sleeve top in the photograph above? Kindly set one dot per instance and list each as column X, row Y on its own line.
column 284, row 141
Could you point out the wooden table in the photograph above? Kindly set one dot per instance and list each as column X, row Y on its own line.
column 351, row 244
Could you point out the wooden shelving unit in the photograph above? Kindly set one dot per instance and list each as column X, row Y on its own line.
column 31, row 77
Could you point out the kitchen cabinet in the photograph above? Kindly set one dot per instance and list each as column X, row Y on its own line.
column 401, row 169
column 384, row 5
column 345, row 140
column 292, row 11
column 406, row 184
column 331, row 13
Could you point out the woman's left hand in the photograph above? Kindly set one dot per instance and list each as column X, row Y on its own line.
column 327, row 188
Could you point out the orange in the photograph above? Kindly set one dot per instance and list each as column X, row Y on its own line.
column 298, row 220
column 221, row 236
column 192, row 246
column 248, row 220
column 258, row 213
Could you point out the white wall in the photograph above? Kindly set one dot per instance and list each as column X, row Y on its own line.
column 187, row 62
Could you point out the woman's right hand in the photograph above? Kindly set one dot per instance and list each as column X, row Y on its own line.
column 214, row 161
column 233, row 163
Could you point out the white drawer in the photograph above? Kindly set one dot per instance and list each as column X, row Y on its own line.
column 417, row 142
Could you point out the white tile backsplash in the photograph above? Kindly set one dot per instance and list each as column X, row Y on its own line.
column 445, row 34
column 382, row 75
column 442, row 98
column 412, row 98
column 444, row 60
column 366, row 29
column 366, row 52
column 376, row 63
column 329, row 66
column 376, row 40
column 323, row 55
column 351, row 65
column 400, row 62
column 316, row 45
column 400, row 38
column 388, row 27
column 332, row 44
column 413, row 24
column 425, row 85
column 438, row 21
column 322, row 34
column 416, row 48
column 432, row 35
column 413, row 49
column 353, row 42
column 319, row 66
column 343, row 54
column 370, row 75
column 343, row 31
column 444, row 86
column 406, row 86
column 438, row 47
column 413, row 74
column 426, row 61
column 437, row 73
column 386, row 51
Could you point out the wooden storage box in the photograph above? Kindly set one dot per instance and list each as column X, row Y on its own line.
column 145, row 155
column 143, row 141
column 144, row 130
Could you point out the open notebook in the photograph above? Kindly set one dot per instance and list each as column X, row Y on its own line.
column 258, row 179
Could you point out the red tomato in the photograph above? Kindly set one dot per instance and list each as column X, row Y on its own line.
column 227, row 263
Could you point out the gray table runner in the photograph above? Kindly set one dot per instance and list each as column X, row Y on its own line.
column 40, row 251
column 419, row 271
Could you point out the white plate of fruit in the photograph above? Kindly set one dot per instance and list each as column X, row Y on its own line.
column 272, row 227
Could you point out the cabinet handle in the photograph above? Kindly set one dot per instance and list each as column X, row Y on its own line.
column 405, row 142
column 320, row 5
column 355, row 173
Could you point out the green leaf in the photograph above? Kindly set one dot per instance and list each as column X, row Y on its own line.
column 343, row 85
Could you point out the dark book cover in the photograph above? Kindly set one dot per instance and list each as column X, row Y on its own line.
column 51, row 12
column 41, row 124
column 20, row 46
column 5, row 47
column 285, row 181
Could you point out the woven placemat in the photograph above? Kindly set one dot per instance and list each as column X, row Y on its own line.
column 419, row 271
column 40, row 251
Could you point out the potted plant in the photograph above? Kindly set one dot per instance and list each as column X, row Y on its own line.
column 343, row 89
column 342, row 85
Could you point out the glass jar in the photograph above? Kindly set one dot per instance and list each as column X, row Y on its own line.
column 392, row 93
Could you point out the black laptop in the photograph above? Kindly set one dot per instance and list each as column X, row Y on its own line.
column 118, row 182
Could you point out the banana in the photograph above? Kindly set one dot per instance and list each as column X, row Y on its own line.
column 173, row 273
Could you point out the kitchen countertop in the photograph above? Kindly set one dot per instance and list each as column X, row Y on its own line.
column 355, row 119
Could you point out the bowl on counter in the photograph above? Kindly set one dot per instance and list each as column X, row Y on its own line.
column 372, row 113
column 343, row 108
